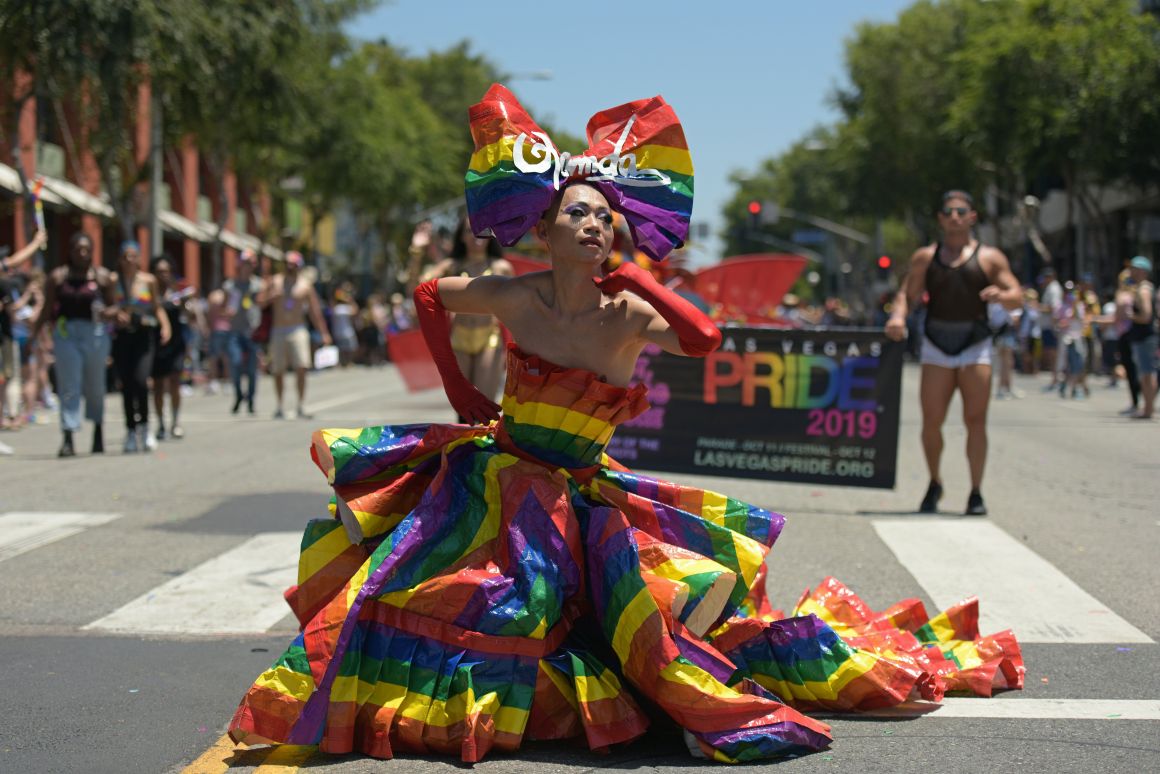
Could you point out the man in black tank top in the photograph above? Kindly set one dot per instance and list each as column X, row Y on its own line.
column 961, row 277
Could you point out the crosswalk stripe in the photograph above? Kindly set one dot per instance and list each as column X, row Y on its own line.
column 1026, row 709
column 238, row 592
column 23, row 531
column 1017, row 588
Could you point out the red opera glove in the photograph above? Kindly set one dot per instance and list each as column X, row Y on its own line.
column 697, row 333
column 464, row 396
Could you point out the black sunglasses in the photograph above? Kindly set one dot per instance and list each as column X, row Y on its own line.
column 962, row 212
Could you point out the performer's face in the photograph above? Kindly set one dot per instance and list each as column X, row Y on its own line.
column 579, row 226
column 956, row 216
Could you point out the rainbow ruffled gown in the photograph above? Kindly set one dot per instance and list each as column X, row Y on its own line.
column 515, row 583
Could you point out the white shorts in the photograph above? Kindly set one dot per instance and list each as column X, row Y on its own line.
column 976, row 354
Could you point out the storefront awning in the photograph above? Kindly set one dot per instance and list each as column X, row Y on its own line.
column 183, row 226
column 78, row 197
column 242, row 241
column 10, row 180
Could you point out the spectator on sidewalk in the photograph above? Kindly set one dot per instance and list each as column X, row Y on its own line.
column 292, row 298
column 1051, row 302
column 245, row 315
column 139, row 327
column 1073, row 320
column 1142, row 334
column 1123, row 321
column 217, row 366
column 1091, row 301
column 14, row 318
column 1005, row 324
column 343, row 313
column 80, row 298
column 1031, row 332
column 25, row 311
column 169, row 357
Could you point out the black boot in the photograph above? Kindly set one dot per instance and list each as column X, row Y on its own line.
column 98, row 439
column 237, row 404
column 930, row 501
column 66, row 448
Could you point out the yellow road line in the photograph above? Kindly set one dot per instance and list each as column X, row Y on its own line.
column 286, row 758
column 214, row 760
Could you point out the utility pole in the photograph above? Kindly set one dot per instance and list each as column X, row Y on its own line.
column 156, row 154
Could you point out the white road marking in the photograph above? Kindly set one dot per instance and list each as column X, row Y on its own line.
column 21, row 532
column 238, row 592
column 1017, row 588
column 1025, row 709
column 380, row 391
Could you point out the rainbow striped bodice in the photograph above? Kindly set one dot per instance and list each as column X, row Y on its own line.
column 563, row 417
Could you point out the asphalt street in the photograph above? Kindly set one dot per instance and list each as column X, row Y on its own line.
column 1072, row 487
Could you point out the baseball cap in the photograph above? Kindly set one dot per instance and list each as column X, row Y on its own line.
column 1140, row 262
column 247, row 256
column 294, row 258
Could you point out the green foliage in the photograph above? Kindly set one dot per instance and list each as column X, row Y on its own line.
column 1064, row 86
column 274, row 90
column 959, row 93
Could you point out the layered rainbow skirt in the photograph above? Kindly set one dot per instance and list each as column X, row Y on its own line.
column 476, row 587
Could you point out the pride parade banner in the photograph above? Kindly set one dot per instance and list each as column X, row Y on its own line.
column 817, row 406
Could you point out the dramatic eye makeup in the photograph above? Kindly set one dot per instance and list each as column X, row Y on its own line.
column 579, row 210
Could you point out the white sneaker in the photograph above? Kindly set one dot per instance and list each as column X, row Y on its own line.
column 131, row 441
column 5, row 449
column 148, row 441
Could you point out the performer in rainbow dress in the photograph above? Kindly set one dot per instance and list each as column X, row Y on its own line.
column 479, row 585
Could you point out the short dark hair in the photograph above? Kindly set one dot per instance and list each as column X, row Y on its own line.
column 956, row 193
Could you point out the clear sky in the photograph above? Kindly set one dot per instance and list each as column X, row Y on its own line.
column 746, row 77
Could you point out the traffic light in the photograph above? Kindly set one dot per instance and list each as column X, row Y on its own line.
column 884, row 264
column 754, row 208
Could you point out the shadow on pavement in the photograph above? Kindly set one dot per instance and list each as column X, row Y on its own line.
column 248, row 514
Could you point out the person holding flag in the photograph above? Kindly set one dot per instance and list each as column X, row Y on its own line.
column 15, row 261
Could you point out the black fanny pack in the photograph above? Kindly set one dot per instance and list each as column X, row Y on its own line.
column 954, row 336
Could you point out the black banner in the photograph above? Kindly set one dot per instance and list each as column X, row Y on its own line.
column 817, row 406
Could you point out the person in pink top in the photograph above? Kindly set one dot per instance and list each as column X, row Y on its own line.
column 218, row 319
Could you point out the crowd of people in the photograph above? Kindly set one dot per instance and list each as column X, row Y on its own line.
column 1073, row 332
column 156, row 339
column 81, row 331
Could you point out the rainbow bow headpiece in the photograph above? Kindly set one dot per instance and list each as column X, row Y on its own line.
column 637, row 156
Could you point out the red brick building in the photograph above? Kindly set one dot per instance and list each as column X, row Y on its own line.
column 193, row 201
